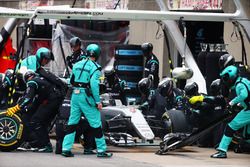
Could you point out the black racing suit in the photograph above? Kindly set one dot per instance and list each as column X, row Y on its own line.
column 152, row 67
column 47, row 100
column 159, row 104
column 74, row 57
column 210, row 109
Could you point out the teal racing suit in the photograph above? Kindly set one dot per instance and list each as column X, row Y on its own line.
column 85, row 97
column 29, row 63
column 242, row 87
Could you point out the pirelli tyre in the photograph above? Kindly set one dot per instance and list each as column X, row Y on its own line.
column 132, row 67
column 11, row 132
column 128, row 52
column 176, row 121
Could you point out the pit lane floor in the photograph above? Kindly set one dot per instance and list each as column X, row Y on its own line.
column 140, row 156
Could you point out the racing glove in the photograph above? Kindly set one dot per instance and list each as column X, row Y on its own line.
column 196, row 99
column 234, row 107
column 11, row 111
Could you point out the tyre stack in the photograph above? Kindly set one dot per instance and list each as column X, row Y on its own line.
column 208, row 62
column 129, row 67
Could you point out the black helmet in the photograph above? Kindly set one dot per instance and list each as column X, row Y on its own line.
column 166, row 87
column 43, row 52
column 75, row 41
column 28, row 74
column 147, row 47
column 215, row 87
column 226, row 60
column 144, row 85
column 191, row 89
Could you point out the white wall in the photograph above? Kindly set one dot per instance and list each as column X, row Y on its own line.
column 235, row 47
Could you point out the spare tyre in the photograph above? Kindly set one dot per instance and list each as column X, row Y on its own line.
column 11, row 132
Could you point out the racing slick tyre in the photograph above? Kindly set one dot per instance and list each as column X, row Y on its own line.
column 11, row 132
column 178, row 121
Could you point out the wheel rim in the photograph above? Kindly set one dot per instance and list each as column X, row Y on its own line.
column 8, row 128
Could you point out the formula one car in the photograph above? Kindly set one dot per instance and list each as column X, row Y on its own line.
column 127, row 126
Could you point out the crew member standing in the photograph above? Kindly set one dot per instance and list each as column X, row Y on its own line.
column 77, row 53
column 232, row 80
column 85, row 98
column 151, row 64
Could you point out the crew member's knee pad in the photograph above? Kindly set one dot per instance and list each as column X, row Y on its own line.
column 70, row 129
column 229, row 131
column 97, row 132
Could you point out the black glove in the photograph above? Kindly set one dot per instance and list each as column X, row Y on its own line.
column 232, row 108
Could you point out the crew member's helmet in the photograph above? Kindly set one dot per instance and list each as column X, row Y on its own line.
column 147, row 48
column 44, row 53
column 166, row 87
column 75, row 41
column 9, row 73
column 229, row 75
column 144, row 85
column 28, row 74
column 226, row 60
column 215, row 87
column 191, row 89
column 93, row 50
